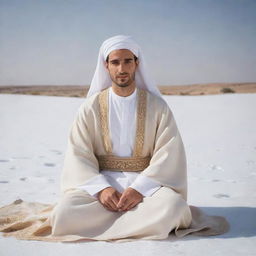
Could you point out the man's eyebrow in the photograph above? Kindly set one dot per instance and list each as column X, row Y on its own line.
column 119, row 59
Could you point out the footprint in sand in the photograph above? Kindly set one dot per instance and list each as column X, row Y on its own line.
column 21, row 157
column 216, row 180
column 49, row 164
column 12, row 168
column 250, row 162
column 221, row 196
column 216, row 168
column 4, row 181
column 56, row 151
column 23, row 178
column 231, row 181
column 4, row 160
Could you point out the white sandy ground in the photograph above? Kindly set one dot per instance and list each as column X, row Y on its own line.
column 219, row 133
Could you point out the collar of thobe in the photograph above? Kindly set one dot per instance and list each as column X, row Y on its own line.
column 121, row 98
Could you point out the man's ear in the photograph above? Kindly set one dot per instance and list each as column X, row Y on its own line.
column 137, row 63
column 106, row 64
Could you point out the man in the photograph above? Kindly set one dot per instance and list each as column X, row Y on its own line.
column 124, row 173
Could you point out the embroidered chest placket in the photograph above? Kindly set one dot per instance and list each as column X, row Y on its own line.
column 109, row 161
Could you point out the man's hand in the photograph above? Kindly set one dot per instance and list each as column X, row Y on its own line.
column 129, row 199
column 109, row 198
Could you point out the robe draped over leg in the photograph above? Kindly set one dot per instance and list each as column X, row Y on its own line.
column 78, row 213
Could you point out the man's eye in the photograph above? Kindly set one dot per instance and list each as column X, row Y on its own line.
column 114, row 62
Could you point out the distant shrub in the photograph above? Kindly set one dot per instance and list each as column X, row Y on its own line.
column 35, row 93
column 227, row 90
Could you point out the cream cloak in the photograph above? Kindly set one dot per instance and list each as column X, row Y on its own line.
column 89, row 138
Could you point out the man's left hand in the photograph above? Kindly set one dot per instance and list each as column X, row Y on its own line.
column 129, row 199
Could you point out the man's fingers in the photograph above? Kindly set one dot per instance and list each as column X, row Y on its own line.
column 118, row 195
column 125, row 205
column 115, row 199
column 122, row 201
column 109, row 204
column 132, row 205
column 109, row 198
column 129, row 206
column 112, row 205
column 108, row 208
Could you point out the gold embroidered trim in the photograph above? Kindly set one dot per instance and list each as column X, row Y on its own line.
column 140, row 127
column 130, row 164
column 103, row 102
column 140, row 122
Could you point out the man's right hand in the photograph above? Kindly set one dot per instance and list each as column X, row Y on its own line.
column 109, row 198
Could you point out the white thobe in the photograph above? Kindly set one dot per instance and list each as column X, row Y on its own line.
column 122, row 120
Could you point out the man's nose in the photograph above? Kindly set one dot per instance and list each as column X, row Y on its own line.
column 121, row 68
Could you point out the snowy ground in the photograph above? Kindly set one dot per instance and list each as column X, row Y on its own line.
column 219, row 133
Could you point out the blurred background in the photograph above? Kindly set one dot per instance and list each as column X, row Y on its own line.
column 56, row 42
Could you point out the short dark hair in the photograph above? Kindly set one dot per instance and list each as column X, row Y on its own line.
column 135, row 58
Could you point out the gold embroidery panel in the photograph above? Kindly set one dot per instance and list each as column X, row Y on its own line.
column 103, row 103
column 132, row 164
column 141, row 117
column 140, row 127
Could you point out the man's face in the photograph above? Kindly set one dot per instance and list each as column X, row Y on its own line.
column 121, row 66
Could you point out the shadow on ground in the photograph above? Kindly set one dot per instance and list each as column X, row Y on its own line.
column 242, row 222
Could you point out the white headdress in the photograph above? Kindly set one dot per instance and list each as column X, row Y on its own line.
column 101, row 78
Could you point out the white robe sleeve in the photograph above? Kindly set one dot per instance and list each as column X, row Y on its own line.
column 145, row 185
column 95, row 185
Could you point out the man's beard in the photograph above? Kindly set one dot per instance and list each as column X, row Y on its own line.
column 122, row 85
column 126, row 83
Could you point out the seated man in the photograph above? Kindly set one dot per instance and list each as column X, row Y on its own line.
column 124, row 175
column 125, row 168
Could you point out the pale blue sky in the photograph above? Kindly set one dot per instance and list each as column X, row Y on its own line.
column 56, row 42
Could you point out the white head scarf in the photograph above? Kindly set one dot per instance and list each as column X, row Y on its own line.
column 101, row 78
